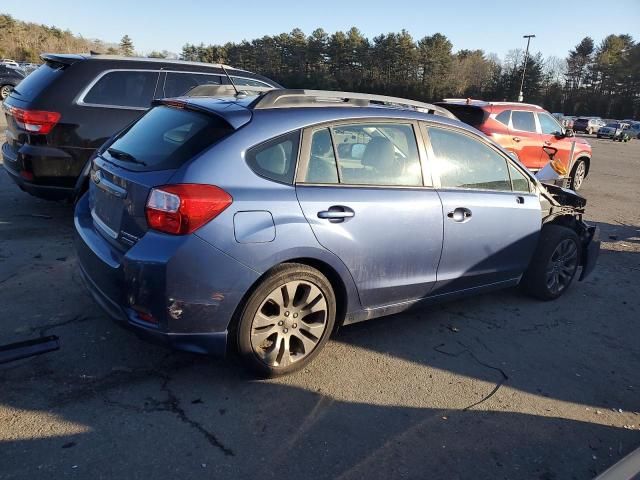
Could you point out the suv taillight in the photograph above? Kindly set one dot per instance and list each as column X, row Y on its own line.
column 34, row 121
column 181, row 209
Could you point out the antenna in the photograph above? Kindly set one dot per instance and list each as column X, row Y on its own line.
column 230, row 80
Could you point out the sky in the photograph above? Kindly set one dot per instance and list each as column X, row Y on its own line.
column 493, row 26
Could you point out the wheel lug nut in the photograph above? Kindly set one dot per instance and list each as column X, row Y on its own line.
column 295, row 315
column 286, row 314
column 295, row 325
column 285, row 330
column 280, row 323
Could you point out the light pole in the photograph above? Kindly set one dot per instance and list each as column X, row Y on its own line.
column 526, row 57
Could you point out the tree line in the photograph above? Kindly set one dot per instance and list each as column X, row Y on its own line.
column 602, row 79
column 594, row 79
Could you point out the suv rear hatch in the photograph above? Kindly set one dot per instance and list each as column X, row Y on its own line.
column 144, row 156
column 471, row 114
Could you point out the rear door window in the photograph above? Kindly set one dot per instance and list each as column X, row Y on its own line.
column 123, row 88
column 524, row 121
column 177, row 84
column 166, row 138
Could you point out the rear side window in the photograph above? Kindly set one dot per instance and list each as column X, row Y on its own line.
column 123, row 89
column 503, row 117
column 276, row 159
column 38, row 81
column 523, row 121
column 178, row 84
column 166, row 138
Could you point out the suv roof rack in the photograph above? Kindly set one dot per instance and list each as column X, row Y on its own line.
column 286, row 98
column 471, row 101
column 208, row 90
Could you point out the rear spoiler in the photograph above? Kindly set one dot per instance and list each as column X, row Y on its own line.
column 61, row 59
column 232, row 113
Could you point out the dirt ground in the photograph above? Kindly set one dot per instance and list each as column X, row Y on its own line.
column 498, row 386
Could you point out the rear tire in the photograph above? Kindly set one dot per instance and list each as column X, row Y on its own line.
column 286, row 321
column 578, row 175
column 5, row 91
column 554, row 263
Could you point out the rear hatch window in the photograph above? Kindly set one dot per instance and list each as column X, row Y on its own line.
column 37, row 81
column 469, row 114
column 165, row 138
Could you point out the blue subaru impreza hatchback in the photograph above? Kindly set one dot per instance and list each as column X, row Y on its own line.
column 263, row 221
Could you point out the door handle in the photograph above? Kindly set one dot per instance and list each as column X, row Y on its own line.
column 460, row 215
column 547, row 143
column 520, row 200
column 336, row 213
column 516, row 139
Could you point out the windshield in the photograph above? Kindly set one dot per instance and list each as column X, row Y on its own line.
column 165, row 138
column 613, row 125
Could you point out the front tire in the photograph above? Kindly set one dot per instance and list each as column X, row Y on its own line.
column 286, row 321
column 554, row 263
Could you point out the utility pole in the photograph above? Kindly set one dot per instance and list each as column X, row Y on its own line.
column 526, row 57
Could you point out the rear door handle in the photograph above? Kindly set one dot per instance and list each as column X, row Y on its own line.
column 520, row 200
column 460, row 215
column 516, row 139
column 336, row 213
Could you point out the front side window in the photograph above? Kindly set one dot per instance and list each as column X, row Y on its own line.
column 127, row 88
column 523, row 121
column 179, row 84
column 276, row 159
column 548, row 124
column 464, row 162
column 519, row 181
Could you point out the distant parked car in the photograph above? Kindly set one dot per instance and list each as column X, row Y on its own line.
column 9, row 63
column 9, row 79
column 260, row 224
column 524, row 130
column 588, row 125
column 615, row 131
column 72, row 104
column 634, row 130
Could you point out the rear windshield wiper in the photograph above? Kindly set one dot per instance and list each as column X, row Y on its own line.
column 127, row 157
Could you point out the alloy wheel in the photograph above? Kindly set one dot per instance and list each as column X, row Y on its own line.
column 562, row 266
column 289, row 323
column 578, row 176
column 5, row 91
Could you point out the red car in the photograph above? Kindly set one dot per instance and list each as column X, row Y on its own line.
column 525, row 129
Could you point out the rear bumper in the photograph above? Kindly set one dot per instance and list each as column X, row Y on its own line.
column 54, row 171
column 190, row 288
column 213, row 343
column 590, row 251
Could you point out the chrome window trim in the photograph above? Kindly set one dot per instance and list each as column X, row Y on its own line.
column 80, row 99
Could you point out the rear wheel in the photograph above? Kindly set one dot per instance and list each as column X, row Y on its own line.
column 554, row 263
column 5, row 90
column 578, row 174
column 286, row 321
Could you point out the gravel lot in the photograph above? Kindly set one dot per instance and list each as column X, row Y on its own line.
column 498, row 386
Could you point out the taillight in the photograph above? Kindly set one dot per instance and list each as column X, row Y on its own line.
column 34, row 121
column 183, row 208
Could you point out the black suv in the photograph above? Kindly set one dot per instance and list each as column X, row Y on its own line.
column 9, row 78
column 62, row 112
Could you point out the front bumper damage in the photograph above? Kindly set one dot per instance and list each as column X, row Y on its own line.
column 566, row 207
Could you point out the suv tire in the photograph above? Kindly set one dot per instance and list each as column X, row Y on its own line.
column 554, row 263
column 5, row 90
column 578, row 175
column 286, row 321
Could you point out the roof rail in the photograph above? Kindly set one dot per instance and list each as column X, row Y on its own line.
column 471, row 101
column 283, row 98
column 208, row 90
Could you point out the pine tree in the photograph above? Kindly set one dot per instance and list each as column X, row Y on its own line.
column 126, row 46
